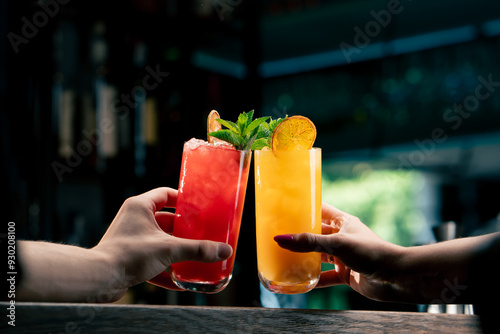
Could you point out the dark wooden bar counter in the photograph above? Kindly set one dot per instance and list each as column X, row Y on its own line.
column 114, row 318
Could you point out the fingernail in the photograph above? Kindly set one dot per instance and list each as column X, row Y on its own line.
column 224, row 251
column 283, row 237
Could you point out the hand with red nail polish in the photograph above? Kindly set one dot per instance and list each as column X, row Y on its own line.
column 384, row 271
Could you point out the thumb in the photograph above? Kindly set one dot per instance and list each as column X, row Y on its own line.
column 198, row 250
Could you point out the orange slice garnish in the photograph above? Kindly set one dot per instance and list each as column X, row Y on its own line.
column 213, row 125
column 294, row 133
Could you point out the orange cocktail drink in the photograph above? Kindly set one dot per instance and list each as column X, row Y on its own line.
column 287, row 200
column 209, row 206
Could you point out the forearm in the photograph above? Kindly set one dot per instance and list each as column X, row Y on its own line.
column 445, row 272
column 64, row 273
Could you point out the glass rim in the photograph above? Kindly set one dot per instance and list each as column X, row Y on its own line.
column 313, row 149
column 211, row 145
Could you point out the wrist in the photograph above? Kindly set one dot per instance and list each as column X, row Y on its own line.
column 113, row 281
column 410, row 282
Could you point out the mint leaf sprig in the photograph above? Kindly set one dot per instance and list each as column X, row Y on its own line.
column 266, row 133
column 243, row 133
column 246, row 134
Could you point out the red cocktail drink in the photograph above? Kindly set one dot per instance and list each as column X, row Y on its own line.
column 212, row 188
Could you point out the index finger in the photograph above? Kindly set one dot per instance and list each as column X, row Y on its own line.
column 162, row 197
column 329, row 213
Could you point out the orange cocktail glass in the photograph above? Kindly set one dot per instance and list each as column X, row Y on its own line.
column 287, row 200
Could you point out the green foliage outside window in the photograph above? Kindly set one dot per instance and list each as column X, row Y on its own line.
column 385, row 200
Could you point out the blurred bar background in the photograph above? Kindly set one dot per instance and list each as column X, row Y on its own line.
column 98, row 98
